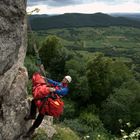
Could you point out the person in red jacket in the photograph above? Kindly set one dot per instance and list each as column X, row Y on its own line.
column 42, row 87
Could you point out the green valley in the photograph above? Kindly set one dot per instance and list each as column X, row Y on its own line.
column 121, row 42
column 104, row 62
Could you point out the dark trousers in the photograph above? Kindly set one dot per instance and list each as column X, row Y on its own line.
column 39, row 118
column 37, row 121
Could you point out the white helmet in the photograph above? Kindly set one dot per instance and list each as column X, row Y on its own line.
column 68, row 78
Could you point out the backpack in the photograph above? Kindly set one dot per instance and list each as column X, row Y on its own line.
column 52, row 106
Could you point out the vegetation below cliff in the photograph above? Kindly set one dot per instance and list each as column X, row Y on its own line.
column 103, row 102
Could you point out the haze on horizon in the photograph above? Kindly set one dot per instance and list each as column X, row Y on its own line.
column 84, row 6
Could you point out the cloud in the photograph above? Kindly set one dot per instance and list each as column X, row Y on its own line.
column 60, row 3
column 84, row 6
column 35, row 2
column 55, row 3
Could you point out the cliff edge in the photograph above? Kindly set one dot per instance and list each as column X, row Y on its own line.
column 13, row 75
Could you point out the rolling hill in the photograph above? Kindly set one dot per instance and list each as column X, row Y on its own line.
column 44, row 22
column 134, row 16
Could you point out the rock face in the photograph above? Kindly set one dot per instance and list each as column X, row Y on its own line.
column 47, row 126
column 13, row 75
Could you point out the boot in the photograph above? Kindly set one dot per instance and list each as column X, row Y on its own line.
column 29, row 133
column 32, row 113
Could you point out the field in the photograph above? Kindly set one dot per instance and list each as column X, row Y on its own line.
column 119, row 42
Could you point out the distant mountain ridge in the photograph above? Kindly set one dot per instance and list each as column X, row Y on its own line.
column 134, row 16
column 44, row 22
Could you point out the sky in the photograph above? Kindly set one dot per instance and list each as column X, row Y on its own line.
column 83, row 6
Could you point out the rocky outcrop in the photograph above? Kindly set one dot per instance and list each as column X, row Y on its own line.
column 13, row 75
column 48, row 127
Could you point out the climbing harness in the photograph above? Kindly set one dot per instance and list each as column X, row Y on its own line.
column 52, row 104
column 44, row 99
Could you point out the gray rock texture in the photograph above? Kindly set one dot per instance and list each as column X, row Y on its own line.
column 47, row 126
column 13, row 75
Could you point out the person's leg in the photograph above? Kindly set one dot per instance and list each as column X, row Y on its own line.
column 33, row 108
column 38, row 120
column 32, row 114
column 36, row 124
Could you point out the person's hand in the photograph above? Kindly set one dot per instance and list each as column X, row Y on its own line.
column 52, row 89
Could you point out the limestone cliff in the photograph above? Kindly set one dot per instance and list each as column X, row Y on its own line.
column 13, row 76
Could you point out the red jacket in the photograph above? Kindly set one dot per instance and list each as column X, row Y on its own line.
column 40, row 90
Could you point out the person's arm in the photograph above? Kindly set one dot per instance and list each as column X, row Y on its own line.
column 62, row 91
column 50, row 81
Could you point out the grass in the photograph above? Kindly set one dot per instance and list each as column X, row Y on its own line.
column 65, row 133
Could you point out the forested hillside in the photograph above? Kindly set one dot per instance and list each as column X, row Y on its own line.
column 44, row 22
column 134, row 16
column 104, row 62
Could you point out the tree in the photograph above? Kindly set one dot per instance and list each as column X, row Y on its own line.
column 104, row 75
column 30, row 63
column 119, row 73
column 122, row 105
column 98, row 75
column 33, row 39
column 53, row 56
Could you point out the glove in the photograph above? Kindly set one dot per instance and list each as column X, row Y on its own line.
column 52, row 89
